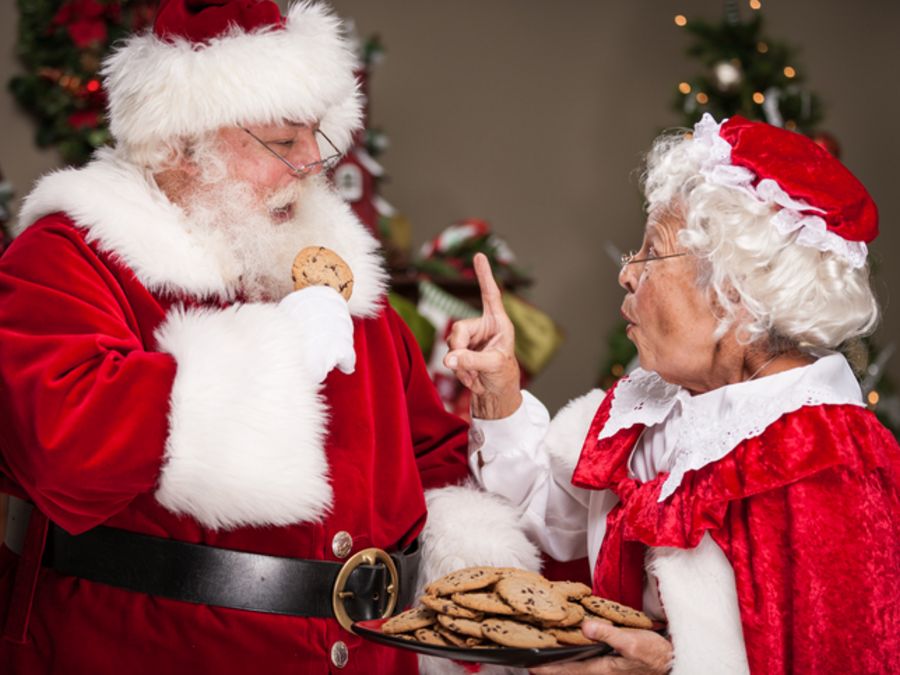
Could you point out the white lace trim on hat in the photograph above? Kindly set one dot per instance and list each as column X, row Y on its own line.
column 698, row 430
column 793, row 215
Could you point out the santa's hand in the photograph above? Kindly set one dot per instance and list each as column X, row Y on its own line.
column 326, row 336
column 482, row 352
column 639, row 652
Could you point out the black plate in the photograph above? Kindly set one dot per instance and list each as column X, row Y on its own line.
column 504, row 656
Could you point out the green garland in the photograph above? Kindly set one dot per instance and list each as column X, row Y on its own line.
column 61, row 46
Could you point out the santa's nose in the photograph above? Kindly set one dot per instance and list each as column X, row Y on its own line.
column 305, row 154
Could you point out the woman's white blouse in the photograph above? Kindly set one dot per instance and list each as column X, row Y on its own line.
column 530, row 460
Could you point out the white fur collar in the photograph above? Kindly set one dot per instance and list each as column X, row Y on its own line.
column 124, row 213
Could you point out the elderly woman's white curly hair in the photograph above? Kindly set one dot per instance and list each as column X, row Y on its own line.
column 795, row 296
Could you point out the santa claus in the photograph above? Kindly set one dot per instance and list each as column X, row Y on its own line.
column 734, row 484
column 214, row 472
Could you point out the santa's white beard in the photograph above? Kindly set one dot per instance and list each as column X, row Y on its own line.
column 254, row 240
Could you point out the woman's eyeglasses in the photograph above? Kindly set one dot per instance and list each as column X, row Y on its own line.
column 629, row 258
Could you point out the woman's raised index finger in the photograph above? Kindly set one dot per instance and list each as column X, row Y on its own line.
column 491, row 300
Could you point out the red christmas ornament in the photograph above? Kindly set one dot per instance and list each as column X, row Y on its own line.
column 85, row 21
column 84, row 119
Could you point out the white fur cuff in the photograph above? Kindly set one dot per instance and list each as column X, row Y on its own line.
column 246, row 422
column 467, row 526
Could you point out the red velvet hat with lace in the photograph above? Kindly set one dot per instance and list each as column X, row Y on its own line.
column 814, row 193
column 208, row 64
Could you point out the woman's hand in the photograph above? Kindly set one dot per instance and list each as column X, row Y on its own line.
column 482, row 352
column 640, row 652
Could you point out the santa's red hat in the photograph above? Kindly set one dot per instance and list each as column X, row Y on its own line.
column 208, row 64
column 815, row 195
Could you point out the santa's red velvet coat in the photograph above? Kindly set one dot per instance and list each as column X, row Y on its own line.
column 807, row 515
column 135, row 392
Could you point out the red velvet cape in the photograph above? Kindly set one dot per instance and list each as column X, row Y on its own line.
column 808, row 515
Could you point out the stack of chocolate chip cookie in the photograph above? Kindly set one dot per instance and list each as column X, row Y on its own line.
column 482, row 607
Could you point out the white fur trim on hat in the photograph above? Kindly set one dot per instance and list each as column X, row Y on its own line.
column 160, row 90
column 246, row 423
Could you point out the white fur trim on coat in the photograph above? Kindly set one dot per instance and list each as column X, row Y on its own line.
column 568, row 430
column 698, row 593
column 160, row 90
column 467, row 526
column 246, row 425
column 125, row 213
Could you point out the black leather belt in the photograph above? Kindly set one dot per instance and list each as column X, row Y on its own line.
column 236, row 579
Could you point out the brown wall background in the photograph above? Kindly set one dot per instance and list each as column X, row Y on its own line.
column 534, row 114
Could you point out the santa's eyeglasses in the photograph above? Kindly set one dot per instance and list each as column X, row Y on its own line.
column 303, row 170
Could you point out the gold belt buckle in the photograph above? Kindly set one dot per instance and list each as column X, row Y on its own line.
column 368, row 556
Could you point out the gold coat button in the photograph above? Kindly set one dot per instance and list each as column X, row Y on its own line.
column 339, row 654
column 342, row 544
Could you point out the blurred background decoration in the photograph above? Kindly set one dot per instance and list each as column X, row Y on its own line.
column 437, row 287
column 60, row 45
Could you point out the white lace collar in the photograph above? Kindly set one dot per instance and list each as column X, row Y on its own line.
column 712, row 424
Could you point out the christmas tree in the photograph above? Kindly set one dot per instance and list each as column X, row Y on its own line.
column 61, row 46
column 744, row 73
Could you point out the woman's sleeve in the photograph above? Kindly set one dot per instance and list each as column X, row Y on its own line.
column 528, row 459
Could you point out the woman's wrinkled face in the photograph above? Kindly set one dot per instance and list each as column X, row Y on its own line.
column 670, row 319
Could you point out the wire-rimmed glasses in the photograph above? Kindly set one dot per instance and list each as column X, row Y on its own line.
column 629, row 258
column 303, row 170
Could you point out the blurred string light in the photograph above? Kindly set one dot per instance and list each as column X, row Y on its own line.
column 755, row 4
column 789, row 72
column 680, row 20
column 758, row 98
column 684, row 88
column 702, row 98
